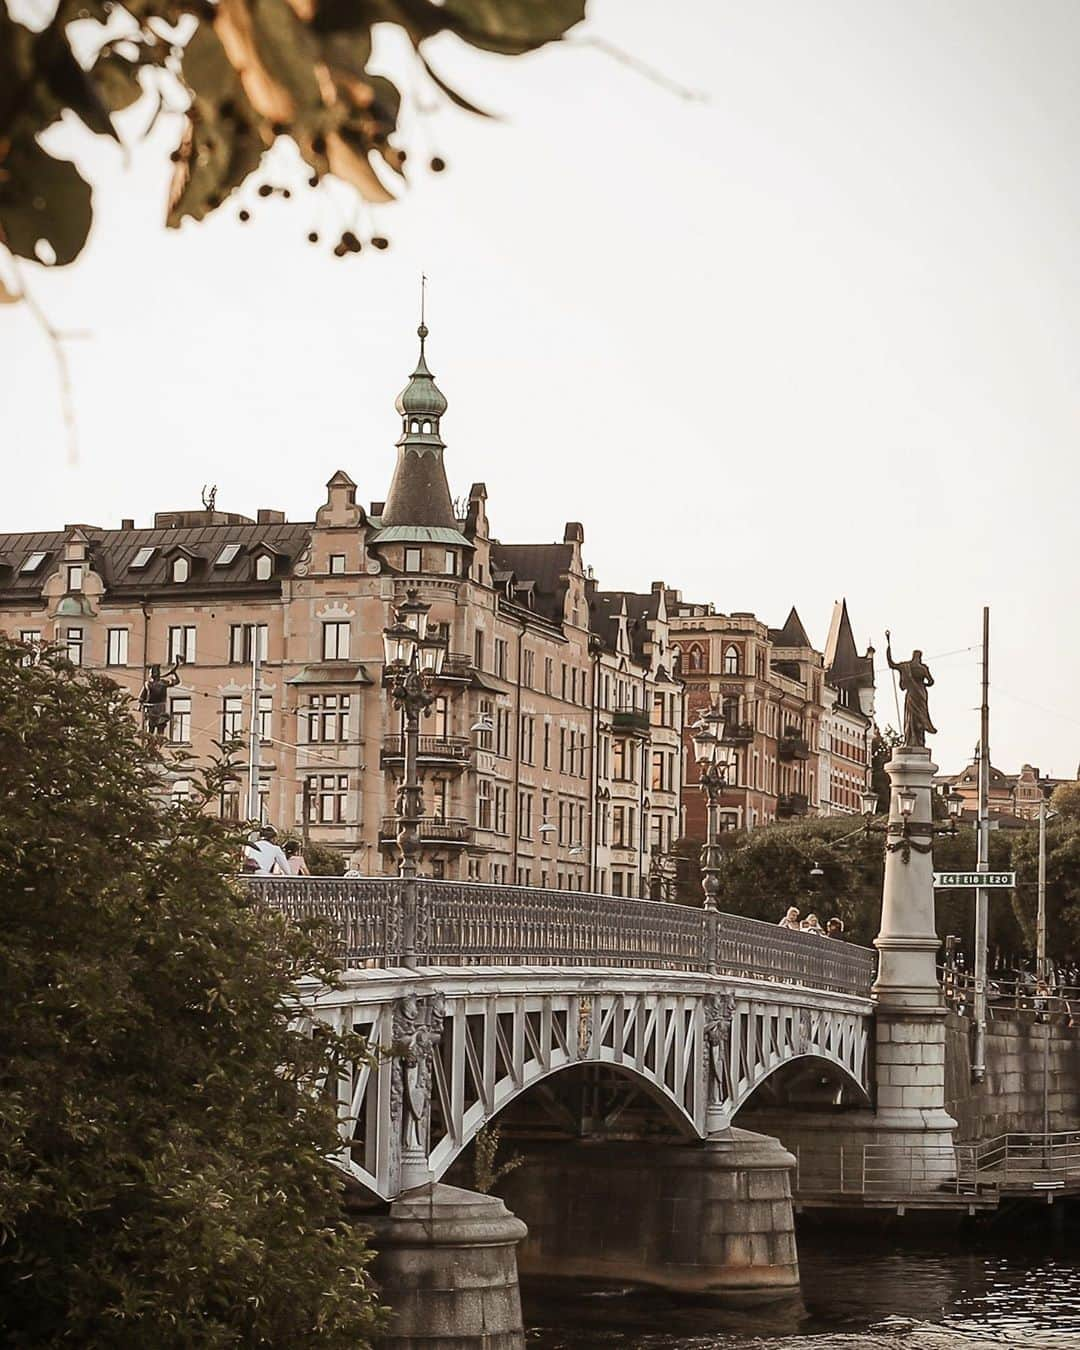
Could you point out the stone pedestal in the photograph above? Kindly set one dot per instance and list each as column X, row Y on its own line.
column 446, row 1268
column 712, row 1220
column 910, row 1019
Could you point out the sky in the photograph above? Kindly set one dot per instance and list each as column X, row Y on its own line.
column 811, row 333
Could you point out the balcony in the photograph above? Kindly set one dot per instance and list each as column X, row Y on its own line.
column 456, row 666
column 790, row 805
column 793, row 745
column 434, row 751
column 738, row 733
column 630, row 722
column 433, row 830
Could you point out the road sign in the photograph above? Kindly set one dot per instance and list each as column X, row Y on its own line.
column 991, row 880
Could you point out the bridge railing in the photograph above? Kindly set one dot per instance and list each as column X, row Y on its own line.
column 469, row 923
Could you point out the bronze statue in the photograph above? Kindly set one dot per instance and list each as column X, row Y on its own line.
column 154, row 698
column 915, row 680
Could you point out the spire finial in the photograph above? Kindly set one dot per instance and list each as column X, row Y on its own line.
column 422, row 331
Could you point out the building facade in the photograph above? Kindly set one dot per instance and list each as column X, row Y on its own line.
column 509, row 750
column 847, row 724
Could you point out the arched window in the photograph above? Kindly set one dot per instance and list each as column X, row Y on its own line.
column 731, row 660
column 696, row 657
column 427, row 428
column 415, row 425
column 264, row 566
column 181, row 569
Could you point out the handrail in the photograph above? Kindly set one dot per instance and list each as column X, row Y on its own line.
column 471, row 923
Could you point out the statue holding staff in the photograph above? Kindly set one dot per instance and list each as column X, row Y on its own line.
column 154, row 697
column 915, row 680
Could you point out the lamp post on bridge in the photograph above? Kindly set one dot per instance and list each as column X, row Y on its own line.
column 713, row 758
column 413, row 661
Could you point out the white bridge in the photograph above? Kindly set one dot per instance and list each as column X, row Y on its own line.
column 592, row 1009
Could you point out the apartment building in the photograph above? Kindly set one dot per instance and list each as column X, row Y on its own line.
column 847, row 722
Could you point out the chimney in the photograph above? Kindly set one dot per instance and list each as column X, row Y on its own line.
column 127, row 523
column 266, row 517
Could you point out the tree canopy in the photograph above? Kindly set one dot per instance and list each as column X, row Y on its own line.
column 251, row 71
column 165, row 1174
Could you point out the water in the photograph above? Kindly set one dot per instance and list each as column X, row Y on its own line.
column 862, row 1294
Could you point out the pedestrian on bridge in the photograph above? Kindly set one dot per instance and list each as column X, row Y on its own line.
column 811, row 924
column 835, row 928
column 297, row 866
column 264, row 851
column 790, row 919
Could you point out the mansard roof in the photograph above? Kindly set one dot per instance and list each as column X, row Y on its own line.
column 111, row 553
column 545, row 564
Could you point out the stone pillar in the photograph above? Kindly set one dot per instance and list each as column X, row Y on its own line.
column 446, row 1267
column 712, row 1219
column 910, row 1017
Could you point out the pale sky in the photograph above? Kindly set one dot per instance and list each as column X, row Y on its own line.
column 817, row 335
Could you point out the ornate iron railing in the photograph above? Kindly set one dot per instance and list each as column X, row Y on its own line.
column 468, row 923
column 456, row 748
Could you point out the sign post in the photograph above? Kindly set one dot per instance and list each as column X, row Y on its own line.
column 999, row 881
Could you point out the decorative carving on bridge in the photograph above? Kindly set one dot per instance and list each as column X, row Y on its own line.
column 416, row 1031
column 719, row 1011
column 584, row 1027
column 803, row 1046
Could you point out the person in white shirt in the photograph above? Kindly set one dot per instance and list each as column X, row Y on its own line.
column 268, row 857
column 790, row 919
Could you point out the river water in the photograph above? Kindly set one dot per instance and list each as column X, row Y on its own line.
column 864, row 1294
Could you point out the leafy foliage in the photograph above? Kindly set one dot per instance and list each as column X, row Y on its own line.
column 1065, row 800
column 486, row 1172
column 322, row 860
column 253, row 70
column 164, row 1146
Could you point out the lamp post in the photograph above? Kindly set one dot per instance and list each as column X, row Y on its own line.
column 1040, row 921
column 413, row 661
column 712, row 760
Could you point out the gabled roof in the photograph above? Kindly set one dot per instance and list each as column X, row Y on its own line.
column 606, row 608
column 545, row 564
column 844, row 667
column 793, row 634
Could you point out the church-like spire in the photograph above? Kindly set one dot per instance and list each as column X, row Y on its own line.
column 419, row 493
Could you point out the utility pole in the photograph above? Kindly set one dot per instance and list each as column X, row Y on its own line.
column 253, row 810
column 982, row 895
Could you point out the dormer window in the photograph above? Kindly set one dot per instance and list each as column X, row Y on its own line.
column 412, row 560
column 32, row 563
column 264, row 567
column 450, row 563
column 141, row 558
column 227, row 555
column 181, row 569
column 75, row 577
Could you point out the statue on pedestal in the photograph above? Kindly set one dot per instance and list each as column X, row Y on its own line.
column 915, row 680
column 154, row 698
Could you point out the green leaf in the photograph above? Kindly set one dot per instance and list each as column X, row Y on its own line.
column 511, row 26
column 117, row 81
column 43, row 198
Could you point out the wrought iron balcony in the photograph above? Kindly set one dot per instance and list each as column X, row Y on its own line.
column 630, row 721
column 792, row 804
column 456, row 666
column 738, row 733
column 433, row 830
column 443, row 750
column 793, row 745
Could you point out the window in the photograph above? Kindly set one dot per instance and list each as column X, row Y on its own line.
column 29, row 637
column 142, row 558
column 240, row 642
column 337, row 564
column 181, row 569
column 616, row 883
column 232, row 717
column 227, row 555
column 412, row 560
column 502, row 732
column 182, row 643
column 622, row 826
column 731, row 660
column 266, row 713
column 230, row 801
column 502, row 808
column 335, row 641
column 180, row 719
column 659, row 717
column 264, row 567
column 74, row 576
column 180, row 793
column 500, row 658
column 483, row 804
column 528, row 660
column 74, row 645
column 478, row 649
column 549, row 670
column 32, row 562
column 116, row 647
column 528, row 728
column 622, row 766
column 328, row 717
column 525, row 812
column 485, row 724
column 450, row 562
column 439, row 799
column 328, row 794
column 547, row 744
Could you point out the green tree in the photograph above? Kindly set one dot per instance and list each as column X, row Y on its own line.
column 165, row 1174
column 1065, row 800
column 1062, row 886
column 254, row 71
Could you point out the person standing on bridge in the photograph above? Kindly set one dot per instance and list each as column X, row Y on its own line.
column 297, row 866
column 790, row 919
column 269, row 859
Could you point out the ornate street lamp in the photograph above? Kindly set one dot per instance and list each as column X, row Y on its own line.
column 712, row 759
column 413, row 661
